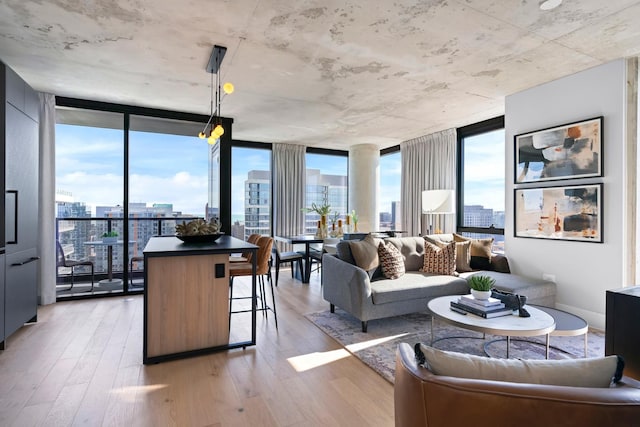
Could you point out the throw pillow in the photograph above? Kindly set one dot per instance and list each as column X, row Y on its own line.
column 591, row 372
column 439, row 260
column 463, row 254
column 391, row 260
column 480, row 251
column 343, row 250
column 365, row 254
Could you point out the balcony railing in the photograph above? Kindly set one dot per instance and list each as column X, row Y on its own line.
column 78, row 237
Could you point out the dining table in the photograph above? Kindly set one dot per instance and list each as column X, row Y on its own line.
column 307, row 240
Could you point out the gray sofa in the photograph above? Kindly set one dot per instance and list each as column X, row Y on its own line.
column 354, row 290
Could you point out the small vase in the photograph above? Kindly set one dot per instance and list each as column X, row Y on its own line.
column 481, row 295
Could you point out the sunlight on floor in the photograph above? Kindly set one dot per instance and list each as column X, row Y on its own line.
column 128, row 394
column 309, row 361
column 366, row 344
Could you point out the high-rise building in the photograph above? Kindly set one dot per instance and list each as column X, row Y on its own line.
column 477, row 216
column 396, row 216
column 257, row 202
column 213, row 199
column 325, row 189
column 72, row 232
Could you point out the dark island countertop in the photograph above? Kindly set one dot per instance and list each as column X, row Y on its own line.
column 163, row 245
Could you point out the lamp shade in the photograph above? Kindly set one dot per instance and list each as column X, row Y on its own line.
column 438, row 202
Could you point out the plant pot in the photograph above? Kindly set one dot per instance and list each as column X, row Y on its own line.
column 109, row 239
column 481, row 295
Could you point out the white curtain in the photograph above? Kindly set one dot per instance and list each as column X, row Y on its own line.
column 428, row 163
column 289, row 181
column 46, row 200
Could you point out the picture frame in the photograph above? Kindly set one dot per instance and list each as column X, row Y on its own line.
column 572, row 150
column 570, row 212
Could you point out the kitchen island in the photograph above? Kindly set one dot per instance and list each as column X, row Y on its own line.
column 186, row 297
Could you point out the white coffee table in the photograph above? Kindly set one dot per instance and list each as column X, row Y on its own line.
column 540, row 323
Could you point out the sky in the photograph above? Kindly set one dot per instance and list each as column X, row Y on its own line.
column 482, row 154
column 174, row 169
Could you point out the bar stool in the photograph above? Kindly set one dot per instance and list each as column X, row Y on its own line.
column 263, row 269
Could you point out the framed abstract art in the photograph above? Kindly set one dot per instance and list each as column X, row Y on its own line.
column 560, row 213
column 569, row 151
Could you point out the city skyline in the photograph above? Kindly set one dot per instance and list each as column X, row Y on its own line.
column 89, row 164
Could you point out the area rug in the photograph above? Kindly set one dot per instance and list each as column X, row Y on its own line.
column 377, row 347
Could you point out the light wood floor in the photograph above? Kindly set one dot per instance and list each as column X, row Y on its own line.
column 81, row 364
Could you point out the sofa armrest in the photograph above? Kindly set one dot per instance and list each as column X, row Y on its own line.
column 423, row 398
column 344, row 285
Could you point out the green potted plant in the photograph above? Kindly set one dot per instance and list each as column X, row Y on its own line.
column 322, row 210
column 354, row 220
column 481, row 286
column 110, row 237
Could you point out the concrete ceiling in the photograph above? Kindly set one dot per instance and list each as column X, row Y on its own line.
column 323, row 73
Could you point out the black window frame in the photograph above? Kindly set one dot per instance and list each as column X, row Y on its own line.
column 485, row 126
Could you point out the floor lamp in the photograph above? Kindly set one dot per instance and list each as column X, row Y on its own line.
column 437, row 202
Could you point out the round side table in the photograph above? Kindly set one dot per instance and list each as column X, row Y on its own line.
column 567, row 324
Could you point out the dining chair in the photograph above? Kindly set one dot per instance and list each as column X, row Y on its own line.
column 63, row 261
column 138, row 260
column 263, row 270
column 286, row 257
column 315, row 254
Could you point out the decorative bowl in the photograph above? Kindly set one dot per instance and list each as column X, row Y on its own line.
column 200, row 238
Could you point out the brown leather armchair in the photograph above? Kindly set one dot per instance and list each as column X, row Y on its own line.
column 425, row 399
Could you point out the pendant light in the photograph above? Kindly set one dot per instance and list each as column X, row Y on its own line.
column 216, row 130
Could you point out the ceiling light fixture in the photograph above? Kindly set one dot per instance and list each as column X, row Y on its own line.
column 549, row 4
column 213, row 67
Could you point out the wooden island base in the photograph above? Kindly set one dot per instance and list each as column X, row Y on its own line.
column 186, row 299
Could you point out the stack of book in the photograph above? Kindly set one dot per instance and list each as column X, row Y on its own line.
column 486, row 308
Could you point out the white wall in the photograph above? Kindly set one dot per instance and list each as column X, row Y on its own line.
column 583, row 271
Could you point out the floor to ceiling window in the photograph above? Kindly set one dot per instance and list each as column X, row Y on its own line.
column 250, row 191
column 481, row 169
column 89, row 198
column 326, row 185
column 168, row 182
column 123, row 175
column 389, row 196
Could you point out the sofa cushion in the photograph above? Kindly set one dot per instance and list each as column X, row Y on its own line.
column 412, row 250
column 391, row 260
column 591, row 372
column 439, row 260
column 365, row 254
column 480, row 251
column 441, row 237
column 414, row 285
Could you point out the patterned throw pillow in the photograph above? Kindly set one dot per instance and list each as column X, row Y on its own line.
column 439, row 260
column 391, row 260
column 463, row 253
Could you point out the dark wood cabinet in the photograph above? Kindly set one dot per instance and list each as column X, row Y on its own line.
column 622, row 336
column 19, row 145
